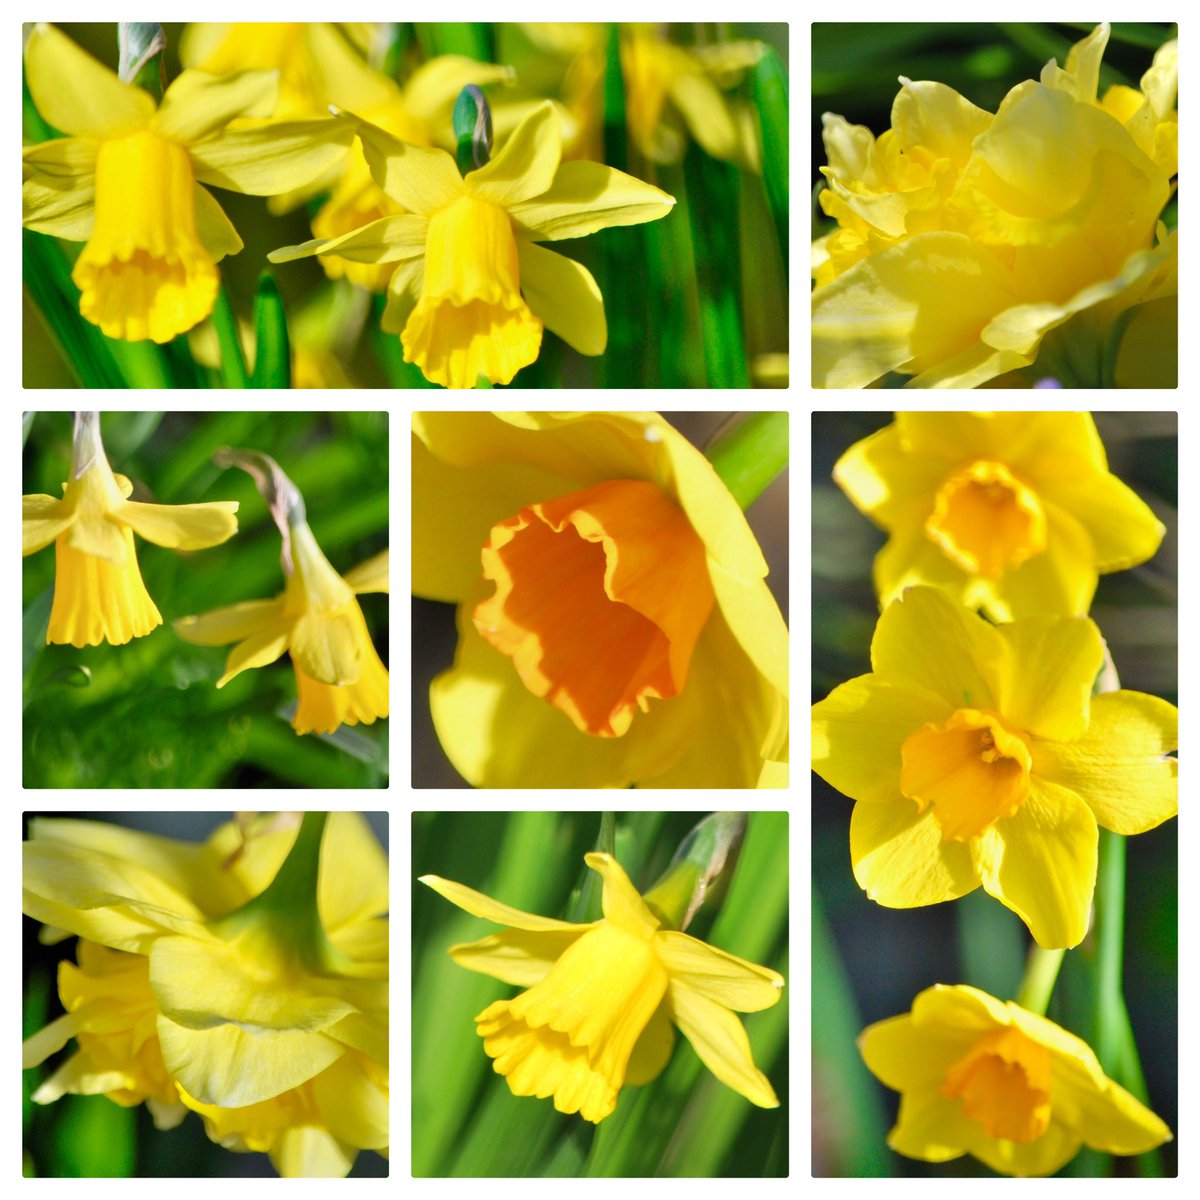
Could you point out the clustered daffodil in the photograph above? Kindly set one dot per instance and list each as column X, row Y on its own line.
column 1014, row 513
column 237, row 978
column 976, row 754
column 126, row 180
column 965, row 238
column 615, row 625
column 984, row 1077
column 602, row 999
column 99, row 595
column 340, row 679
column 472, row 290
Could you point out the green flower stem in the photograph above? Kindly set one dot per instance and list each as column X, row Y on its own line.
column 1041, row 973
column 748, row 455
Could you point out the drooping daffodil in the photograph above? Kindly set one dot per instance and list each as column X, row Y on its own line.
column 127, row 180
column 99, row 595
column 472, row 289
column 245, row 978
column 603, row 999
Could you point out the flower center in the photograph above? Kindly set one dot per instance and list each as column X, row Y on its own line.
column 471, row 319
column 1004, row 1084
column 972, row 770
column 600, row 598
column 986, row 520
column 144, row 272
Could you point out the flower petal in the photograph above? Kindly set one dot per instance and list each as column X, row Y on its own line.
column 388, row 239
column 586, row 196
column 42, row 519
column 258, row 650
column 858, row 730
column 370, row 576
column 717, row 975
column 900, row 859
column 526, row 163
column 479, row 905
column 77, row 94
column 274, row 158
column 233, row 623
column 1041, row 863
column 181, row 526
column 424, row 181
column 908, row 1054
column 198, row 104
column 622, row 903
column 517, row 956
column 1054, row 663
column 564, row 295
column 720, row 1041
column 1120, row 766
column 214, row 229
column 1122, row 528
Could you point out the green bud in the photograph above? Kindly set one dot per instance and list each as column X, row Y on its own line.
column 700, row 870
column 141, row 46
column 472, row 128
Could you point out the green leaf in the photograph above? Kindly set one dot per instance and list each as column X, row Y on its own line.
column 233, row 365
column 749, row 454
column 771, row 98
column 272, row 352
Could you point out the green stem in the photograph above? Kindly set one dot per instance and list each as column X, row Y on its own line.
column 1037, row 984
column 748, row 455
column 1110, row 941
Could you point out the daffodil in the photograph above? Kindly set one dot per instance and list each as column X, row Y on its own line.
column 472, row 289
column 1015, row 513
column 965, row 238
column 615, row 626
column 981, row 1076
column 340, row 679
column 976, row 754
column 99, row 595
column 602, row 998
column 237, row 978
column 126, row 180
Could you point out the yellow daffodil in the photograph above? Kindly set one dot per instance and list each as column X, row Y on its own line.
column 964, row 238
column 127, row 180
column 472, row 289
column 99, row 595
column 1015, row 513
column 977, row 755
column 602, row 998
column 237, row 978
column 340, row 679
column 981, row 1076
column 615, row 626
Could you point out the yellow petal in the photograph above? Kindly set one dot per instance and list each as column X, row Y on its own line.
column 1041, row 863
column 858, row 730
column 273, row 158
column 322, row 707
column 901, row 860
column 525, row 165
column 1122, row 528
column 77, row 94
column 721, row 977
column 214, row 229
column 479, row 905
column 622, row 904
column 564, row 295
column 403, row 291
column 909, row 1054
column 58, row 195
column 937, row 118
column 708, row 116
column 258, row 650
column 516, row 956
column 96, row 600
column 421, row 180
column 720, row 1042
column 370, row 576
column 1120, row 766
column 182, row 526
column 198, row 104
column 390, row 239
column 233, row 623
column 586, row 196
column 42, row 519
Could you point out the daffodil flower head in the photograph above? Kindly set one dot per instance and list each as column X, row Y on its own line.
column 472, row 290
column 603, row 999
column 966, row 239
column 340, row 679
column 245, row 979
column 1014, row 513
column 127, row 180
column 615, row 624
column 985, row 1077
column 977, row 755
column 99, row 595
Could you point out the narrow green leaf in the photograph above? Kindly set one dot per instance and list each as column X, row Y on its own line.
column 749, row 453
column 272, row 351
column 233, row 365
column 771, row 98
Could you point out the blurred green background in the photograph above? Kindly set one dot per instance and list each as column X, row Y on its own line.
column 698, row 299
column 91, row 1136
column 435, row 635
column 869, row 962
column 466, row 1122
column 147, row 714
